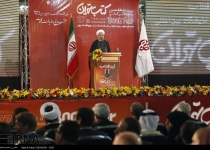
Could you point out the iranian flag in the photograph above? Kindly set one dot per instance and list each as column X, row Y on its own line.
column 144, row 64
column 72, row 60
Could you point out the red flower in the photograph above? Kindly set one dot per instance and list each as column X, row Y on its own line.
column 89, row 92
column 29, row 96
column 107, row 95
column 80, row 94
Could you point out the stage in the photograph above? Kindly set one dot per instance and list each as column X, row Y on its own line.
column 119, row 107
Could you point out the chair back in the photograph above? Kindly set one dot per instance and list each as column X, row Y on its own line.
column 108, row 129
column 156, row 139
column 94, row 140
column 201, row 124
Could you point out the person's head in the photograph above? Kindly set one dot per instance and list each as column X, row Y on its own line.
column 127, row 138
column 128, row 124
column 201, row 136
column 17, row 111
column 149, row 120
column 187, row 130
column 101, row 111
column 67, row 131
column 25, row 122
column 136, row 110
column 175, row 119
column 100, row 33
column 85, row 117
column 184, row 107
column 50, row 112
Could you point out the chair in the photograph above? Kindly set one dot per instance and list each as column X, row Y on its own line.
column 202, row 124
column 161, row 127
column 94, row 140
column 156, row 139
column 108, row 129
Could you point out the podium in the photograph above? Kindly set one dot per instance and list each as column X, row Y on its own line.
column 107, row 74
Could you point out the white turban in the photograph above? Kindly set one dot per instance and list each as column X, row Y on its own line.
column 55, row 113
column 149, row 120
column 99, row 31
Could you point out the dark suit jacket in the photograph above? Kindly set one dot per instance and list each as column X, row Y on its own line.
column 42, row 130
column 88, row 132
column 95, row 46
column 104, row 123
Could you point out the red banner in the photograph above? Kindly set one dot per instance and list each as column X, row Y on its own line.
column 119, row 107
column 48, row 28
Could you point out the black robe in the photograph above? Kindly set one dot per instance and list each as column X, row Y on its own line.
column 103, row 45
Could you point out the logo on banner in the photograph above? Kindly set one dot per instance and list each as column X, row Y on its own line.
column 144, row 45
column 72, row 46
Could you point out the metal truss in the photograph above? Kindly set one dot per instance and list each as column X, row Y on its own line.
column 24, row 49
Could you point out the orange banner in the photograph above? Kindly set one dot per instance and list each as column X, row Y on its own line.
column 119, row 107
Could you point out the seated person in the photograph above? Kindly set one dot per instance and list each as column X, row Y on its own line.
column 127, row 138
column 187, row 130
column 85, row 119
column 149, row 122
column 130, row 124
column 15, row 112
column 136, row 110
column 101, row 111
column 51, row 114
column 25, row 125
column 4, row 131
column 67, row 133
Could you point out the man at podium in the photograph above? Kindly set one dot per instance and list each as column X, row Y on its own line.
column 100, row 43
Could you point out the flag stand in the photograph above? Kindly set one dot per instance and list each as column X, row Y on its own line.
column 145, row 80
column 70, row 83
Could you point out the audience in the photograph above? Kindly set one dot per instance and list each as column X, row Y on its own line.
column 15, row 112
column 187, row 130
column 128, row 124
column 182, row 128
column 186, row 108
column 25, row 125
column 174, row 120
column 201, row 136
column 149, row 122
column 101, row 111
column 67, row 133
column 136, row 110
column 127, row 138
column 50, row 112
column 4, row 131
column 85, row 119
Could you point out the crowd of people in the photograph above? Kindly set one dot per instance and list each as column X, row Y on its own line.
column 140, row 128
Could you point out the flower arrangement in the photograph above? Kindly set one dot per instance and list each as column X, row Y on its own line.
column 122, row 91
column 96, row 57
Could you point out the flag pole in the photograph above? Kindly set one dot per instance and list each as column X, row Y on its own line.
column 70, row 83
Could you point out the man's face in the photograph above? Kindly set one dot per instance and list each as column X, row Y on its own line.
column 101, row 36
column 20, row 128
column 168, row 125
column 121, row 127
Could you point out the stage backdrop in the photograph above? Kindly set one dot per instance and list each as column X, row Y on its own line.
column 48, row 29
column 119, row 107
